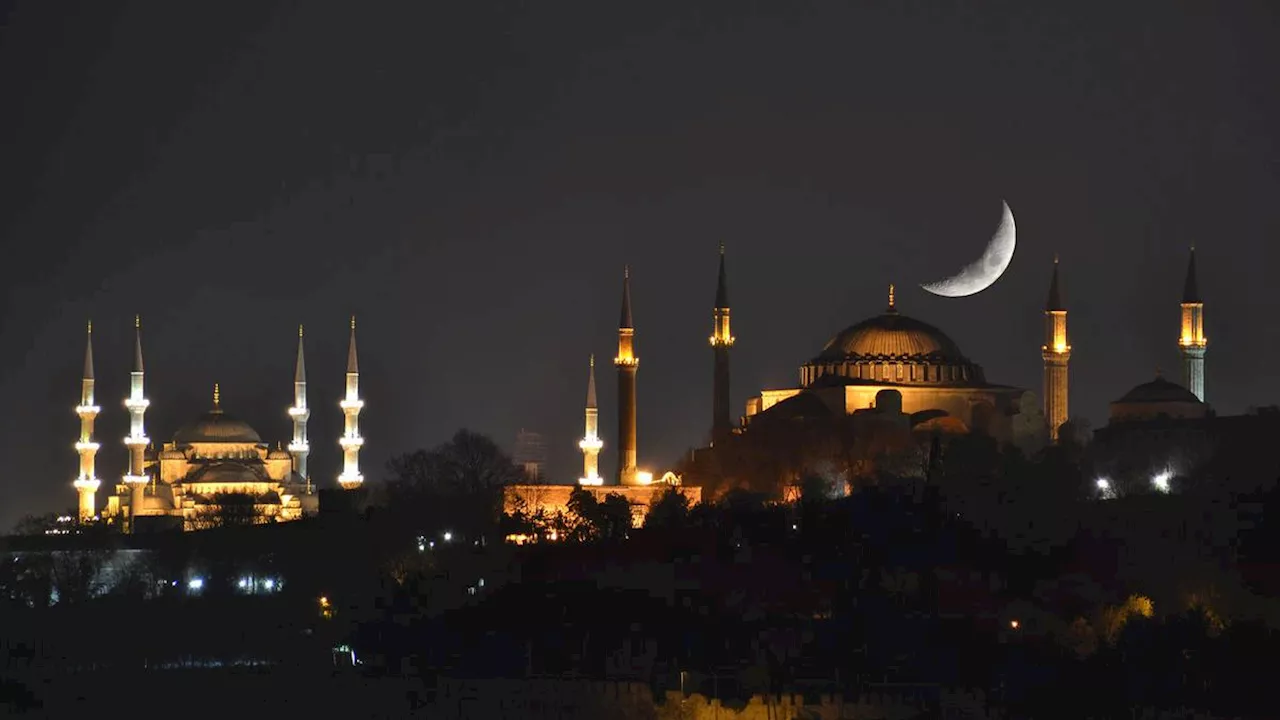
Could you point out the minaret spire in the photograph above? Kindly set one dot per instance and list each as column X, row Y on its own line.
column 626, row 362
column 1056, row 353
column 300, row 413
column 893, row 307
column 721, row 341
column 591, row 442
column 351, row 442
column 87, row 481
column 137, row 403
column 1192, row 342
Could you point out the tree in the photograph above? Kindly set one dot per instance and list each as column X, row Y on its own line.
column 668, row 511
column 458, row 485
column 230, row 509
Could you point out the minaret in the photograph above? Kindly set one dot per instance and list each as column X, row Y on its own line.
column 721, row 341
column 591, row 442
column 87, row 482
column 300, row 413
column 137, row 441
column 1056, row 352
column 626, row 362
column 1192, row 342
column 350, row 479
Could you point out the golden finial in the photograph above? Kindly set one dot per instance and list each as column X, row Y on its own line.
column 137, row 322
column 217, row 396
column 593, row 360
column 626, row 271
column 299, row 329
column 1055, row 258
column 891, row 303
column 90, row 327
column 721, row 247
column 353, row 322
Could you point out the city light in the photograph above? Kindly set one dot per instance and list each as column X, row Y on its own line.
column 1160, row 481
column 270, row 584
column 644, row 477
column 448, row 536
column 195, row 584
column 244, row 583
column 1013, row 624
column 1105, row 489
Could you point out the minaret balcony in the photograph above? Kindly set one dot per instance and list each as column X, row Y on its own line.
column 718, row 341
column 591, row 481
column 137, row 440
column 351, row 404
column 87, row 484
column 87, row 409
column 299, row 447
column 87, row 446
column 140, row 403
column 299, row 412
column 136, row 479
column 626, row 361
column 591, row 443
column 351, row 442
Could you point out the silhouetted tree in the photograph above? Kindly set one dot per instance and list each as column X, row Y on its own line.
column 457, row 485
column 230, row 509
column 668, row 511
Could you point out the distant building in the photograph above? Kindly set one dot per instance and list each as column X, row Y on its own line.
column 531, row 454
column 181, row 484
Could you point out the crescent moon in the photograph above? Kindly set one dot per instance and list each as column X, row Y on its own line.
column 983, row 272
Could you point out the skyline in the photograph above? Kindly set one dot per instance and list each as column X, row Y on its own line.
column 471, row 181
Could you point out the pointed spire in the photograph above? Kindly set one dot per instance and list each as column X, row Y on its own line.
column 352, row 365
column 217, row 398
column 591, row 385
column 893, row 307
column 722, row 284
column 1055, row 294
column 137, row 343
column 625, row 321
column 88, row 353
column 1191, row 290
column 300, row 369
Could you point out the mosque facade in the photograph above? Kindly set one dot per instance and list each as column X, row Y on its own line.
column 216, row 469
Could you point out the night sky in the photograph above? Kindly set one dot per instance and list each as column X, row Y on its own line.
column 470, row 178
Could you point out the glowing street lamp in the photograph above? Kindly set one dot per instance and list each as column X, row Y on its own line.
column 1160, row 481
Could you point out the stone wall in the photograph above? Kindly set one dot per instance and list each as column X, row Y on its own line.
column 552, row 499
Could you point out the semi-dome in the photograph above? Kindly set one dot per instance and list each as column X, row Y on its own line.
column 892, row 348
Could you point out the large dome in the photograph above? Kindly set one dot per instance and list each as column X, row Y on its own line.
column 217, row 427
column 892, row 348
column 892, row 335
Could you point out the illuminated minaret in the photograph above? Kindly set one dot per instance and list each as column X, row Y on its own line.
column 721, row 341
column 137, row 441
column 299, row 413
column 87, row 482
column 1056, row 352
column 1192, row 342
column 626, row 362
column 350, row 479
column 591, row 442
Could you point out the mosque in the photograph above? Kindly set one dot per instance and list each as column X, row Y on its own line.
column 887, row 370
column 889, row 367
column 184, row 483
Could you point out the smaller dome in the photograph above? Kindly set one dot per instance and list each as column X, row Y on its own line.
column 1158, row 391
column 279, row 454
